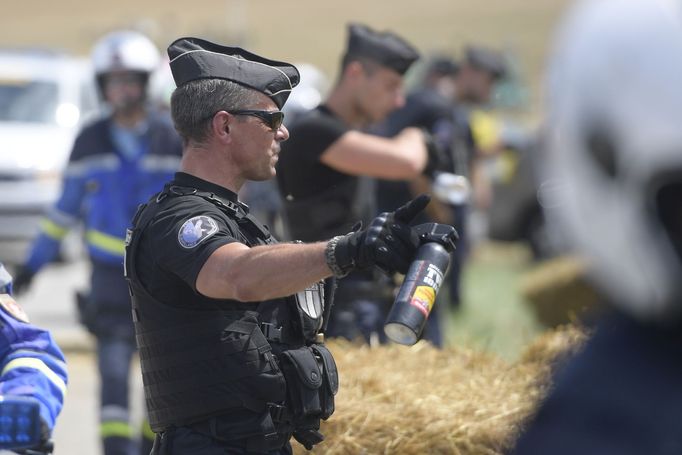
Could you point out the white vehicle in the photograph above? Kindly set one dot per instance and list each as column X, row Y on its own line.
column 44, row 98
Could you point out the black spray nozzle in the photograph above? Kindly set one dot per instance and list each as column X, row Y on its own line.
column 444, row 234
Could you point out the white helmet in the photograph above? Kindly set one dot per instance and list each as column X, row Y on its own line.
column 125, row 51
column 615, row 147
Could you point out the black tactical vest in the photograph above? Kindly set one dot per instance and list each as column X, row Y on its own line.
column 212, row 361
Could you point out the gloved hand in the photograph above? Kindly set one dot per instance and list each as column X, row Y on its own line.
column 22, row 280
column 437, row 158
column 388, row 242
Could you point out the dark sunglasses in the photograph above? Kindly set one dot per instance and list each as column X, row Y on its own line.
column 273, row 119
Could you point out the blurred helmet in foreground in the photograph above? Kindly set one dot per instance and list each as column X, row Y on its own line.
column 615, row 148
column 5, row 280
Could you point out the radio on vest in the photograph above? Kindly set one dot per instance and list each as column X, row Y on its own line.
column 417, row 294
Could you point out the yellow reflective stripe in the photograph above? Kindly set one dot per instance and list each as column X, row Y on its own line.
column 52, row 229
column 115, row 429
column 147, row 432
column 36, row 364
column 106, row 242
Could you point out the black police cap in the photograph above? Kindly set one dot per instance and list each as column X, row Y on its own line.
column 385, row 48
column 443, row 65
column 195, row 58
column 486, row 59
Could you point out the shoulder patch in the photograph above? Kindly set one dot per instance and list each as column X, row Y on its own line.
column 196, row 230
column 13, row 308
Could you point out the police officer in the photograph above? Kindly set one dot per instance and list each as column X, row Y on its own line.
column 32, row 367
column 319, row 173
column 446, row 105
column 227, row 319
column 430, row 106
column 613, row 141
column 116, row 163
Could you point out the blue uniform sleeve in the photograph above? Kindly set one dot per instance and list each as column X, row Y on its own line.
column 32, row 365
column 65, row 213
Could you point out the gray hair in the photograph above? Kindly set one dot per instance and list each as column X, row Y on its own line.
column 194, row 104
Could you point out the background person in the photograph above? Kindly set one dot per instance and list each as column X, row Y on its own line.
column 442, row 104
column 613, row 151
column 116, row 163
column 320, row 171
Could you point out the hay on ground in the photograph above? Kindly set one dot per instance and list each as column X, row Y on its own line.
column 420, row 400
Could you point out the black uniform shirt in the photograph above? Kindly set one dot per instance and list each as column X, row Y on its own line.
column 177, row 243
column 300, row 173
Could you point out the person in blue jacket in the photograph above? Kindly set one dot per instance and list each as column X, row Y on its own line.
column 32, row 371
column 116, row 163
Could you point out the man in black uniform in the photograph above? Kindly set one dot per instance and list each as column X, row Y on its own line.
column 227, row 319
column 443, row 106
column 320, row 169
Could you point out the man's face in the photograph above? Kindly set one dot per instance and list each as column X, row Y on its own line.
column 380, row 91
column 474, row 85
column 256, row 144
column 123, row 90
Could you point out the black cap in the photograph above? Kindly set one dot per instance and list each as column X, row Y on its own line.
column 443, row 65
column 486, row 59
column 385, row 48
column 195, row 58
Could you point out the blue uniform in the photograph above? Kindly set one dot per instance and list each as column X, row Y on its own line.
column 32, row 364
column 111, row 170
column 108, row 175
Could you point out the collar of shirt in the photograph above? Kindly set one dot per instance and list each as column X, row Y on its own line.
column 192, row 181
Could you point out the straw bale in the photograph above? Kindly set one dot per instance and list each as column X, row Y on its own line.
column 420, row 400
column 558, row 292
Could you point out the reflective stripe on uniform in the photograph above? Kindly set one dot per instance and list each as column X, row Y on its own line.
column 114, row 422
column 115, row 429
column 36, row 364
column 104, row 162
column 52, row 229
column 147, row 432
column 155, row 163
column 106, row 242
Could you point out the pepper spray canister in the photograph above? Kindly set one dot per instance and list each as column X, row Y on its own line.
column 417, row 294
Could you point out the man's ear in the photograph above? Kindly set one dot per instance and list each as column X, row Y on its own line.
column 354, row 70
column 220, row 126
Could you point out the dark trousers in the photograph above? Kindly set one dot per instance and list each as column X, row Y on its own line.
column 184, row 441
column 621, row 395
column 360, row 308
column 459, row 255
column 105, row 312
column 113, row 357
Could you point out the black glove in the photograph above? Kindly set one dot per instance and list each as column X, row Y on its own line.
column 388, row 242
column 437, row 158
column 22, row 280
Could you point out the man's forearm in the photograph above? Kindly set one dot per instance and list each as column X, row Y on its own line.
column 262, row 272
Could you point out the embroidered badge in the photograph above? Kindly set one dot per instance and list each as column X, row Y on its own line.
column 196, row 230
column 13, row 308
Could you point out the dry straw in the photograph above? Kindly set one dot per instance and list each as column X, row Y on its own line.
column 420, row 400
